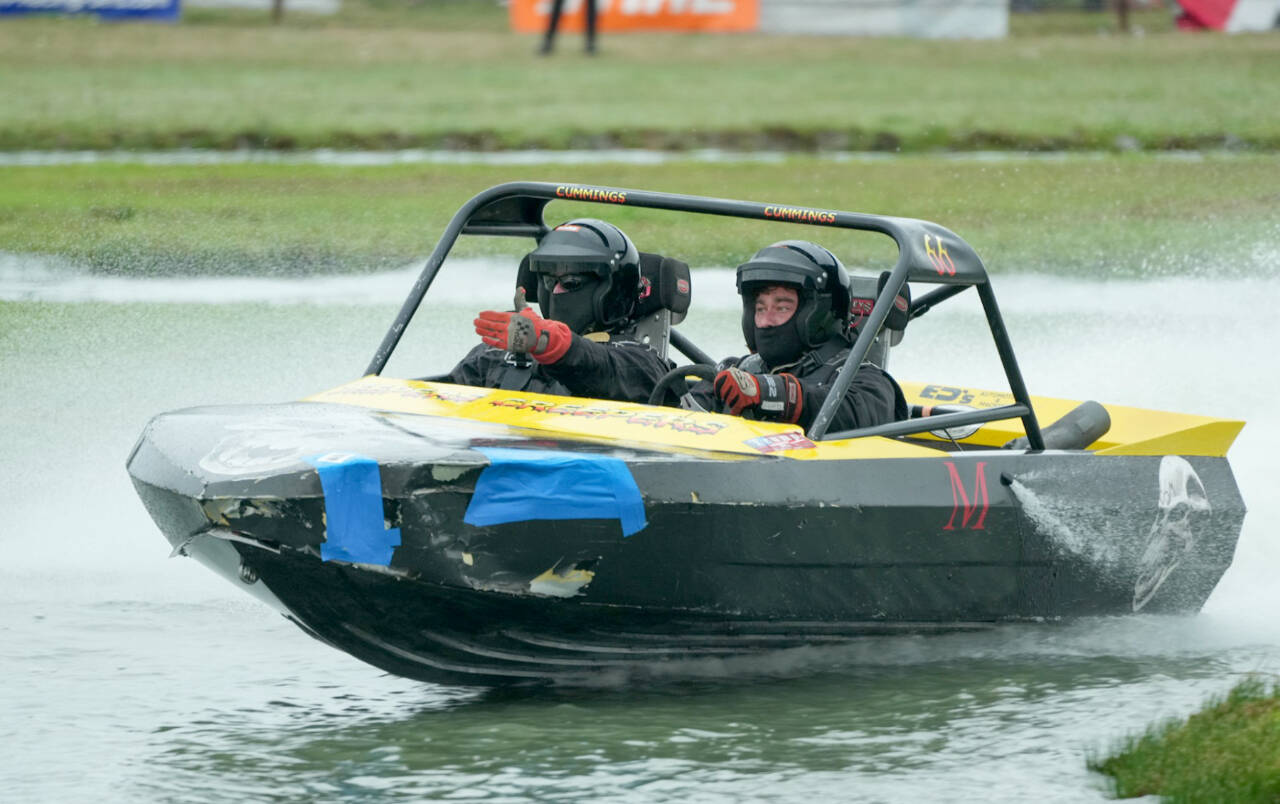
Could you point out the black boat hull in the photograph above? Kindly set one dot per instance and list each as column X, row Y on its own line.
column 737, row 556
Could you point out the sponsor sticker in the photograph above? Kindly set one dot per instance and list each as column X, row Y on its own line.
column 576, row 193
column 780, row 442
column 678, row 423
column 107, row 9
column 800, row 214
column 456, row 394
column 530, row 16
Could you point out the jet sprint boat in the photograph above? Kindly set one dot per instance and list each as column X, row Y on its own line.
column 469, row 535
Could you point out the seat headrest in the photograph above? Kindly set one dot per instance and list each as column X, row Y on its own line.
column 900, row 315
column 665, row 284
column 863, row 291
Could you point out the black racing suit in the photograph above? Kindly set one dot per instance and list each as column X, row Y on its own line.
column 620, row 369
column 873, row 396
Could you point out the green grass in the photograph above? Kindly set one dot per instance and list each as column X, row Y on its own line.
column 1229, row 752
column 428, row 15
column 1124, row 216
column 447, row 76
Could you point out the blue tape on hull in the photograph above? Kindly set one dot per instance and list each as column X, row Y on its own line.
column 355, row 528
column 524, row 484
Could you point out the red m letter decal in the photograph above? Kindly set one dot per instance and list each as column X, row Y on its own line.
column 960, row 500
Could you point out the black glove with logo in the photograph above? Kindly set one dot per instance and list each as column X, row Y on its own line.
column 772, row 396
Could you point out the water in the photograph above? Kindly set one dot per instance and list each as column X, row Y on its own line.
column 132, row 677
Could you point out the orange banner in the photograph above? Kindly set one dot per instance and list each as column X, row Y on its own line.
column 530, row 16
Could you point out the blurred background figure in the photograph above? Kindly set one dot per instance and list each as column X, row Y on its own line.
column 553, row 20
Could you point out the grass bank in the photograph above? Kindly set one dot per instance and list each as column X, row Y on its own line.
column 1229, row 752
column 449, row 76
column 1124, row 216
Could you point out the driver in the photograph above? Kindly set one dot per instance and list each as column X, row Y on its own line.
column 585, row 276
column 796, row 320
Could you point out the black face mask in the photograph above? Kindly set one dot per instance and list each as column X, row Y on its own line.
column 779, row 345
column 574, row 308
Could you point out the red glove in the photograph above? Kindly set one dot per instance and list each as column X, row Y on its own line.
column 775, row 396
column 525, row 332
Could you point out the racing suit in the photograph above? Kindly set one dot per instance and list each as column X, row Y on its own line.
column 619, row 369
column 873, row 396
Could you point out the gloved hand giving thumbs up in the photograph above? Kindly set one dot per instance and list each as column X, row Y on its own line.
column 524, row 332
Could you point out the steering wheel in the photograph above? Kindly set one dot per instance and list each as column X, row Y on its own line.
column 676, row 381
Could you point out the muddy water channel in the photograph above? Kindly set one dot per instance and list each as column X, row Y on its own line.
column 129, row 676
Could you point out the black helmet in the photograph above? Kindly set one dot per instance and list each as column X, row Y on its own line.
column 582, row 248
column 821, row 282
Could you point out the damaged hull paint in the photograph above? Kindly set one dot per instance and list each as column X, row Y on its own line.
column 738, row 555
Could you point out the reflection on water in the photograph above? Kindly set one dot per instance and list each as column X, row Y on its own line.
column 907, row 713
column 164, row 683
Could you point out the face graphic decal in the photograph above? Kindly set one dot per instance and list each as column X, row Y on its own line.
column 1171, row 538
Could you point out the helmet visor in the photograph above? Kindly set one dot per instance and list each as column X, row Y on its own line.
column 762, row 272
column 567, row 283
column 563, row 267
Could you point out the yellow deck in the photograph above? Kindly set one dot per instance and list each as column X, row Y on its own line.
column 1133, row 431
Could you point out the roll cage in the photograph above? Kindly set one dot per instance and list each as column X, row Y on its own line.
column 927, row 253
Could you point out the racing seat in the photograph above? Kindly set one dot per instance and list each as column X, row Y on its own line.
column 665, row 293
column 863, row 291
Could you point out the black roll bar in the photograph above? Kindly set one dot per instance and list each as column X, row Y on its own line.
column 943, row 421
column 927, row 252
column 483, row 207
column 933, row 298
